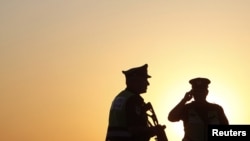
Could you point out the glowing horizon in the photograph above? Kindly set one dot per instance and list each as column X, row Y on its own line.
column 61, row 62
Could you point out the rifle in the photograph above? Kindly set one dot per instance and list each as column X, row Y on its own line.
column 161, row 135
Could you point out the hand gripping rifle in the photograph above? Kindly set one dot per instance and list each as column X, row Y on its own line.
column 160, row 135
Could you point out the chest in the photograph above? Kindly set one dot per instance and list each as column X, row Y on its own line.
column 194, row 116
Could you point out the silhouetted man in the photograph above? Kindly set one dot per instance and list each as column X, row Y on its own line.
column 198, row 114
column 128, row 120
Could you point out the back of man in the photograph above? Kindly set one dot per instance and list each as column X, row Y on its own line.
column 128, row 117
column 127, row 111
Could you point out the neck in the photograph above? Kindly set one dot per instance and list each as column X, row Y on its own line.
column 135, row 91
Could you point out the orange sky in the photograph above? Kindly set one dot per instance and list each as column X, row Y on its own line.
column 61, row 62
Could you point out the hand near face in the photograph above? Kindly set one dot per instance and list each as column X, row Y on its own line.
column 188, row 96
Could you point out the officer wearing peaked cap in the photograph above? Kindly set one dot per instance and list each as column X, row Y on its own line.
column 199, row 83
column 199, row 113
column 127, row 117
column 141, row 71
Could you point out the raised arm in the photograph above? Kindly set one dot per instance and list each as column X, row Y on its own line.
column 175, row 113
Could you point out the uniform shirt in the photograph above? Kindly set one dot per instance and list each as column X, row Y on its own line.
column 196, row 118
column 127, row 111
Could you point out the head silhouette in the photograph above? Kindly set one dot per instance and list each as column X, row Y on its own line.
column 200, row 88
column 137, row 79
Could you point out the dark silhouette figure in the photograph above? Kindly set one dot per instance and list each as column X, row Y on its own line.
column 198, row 114
column 128, row 120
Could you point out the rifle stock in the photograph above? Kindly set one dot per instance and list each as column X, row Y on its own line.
column 161, row 135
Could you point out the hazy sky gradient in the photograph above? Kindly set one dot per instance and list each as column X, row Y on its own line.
column 61, row 61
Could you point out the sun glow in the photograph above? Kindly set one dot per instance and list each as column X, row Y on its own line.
column 61, row 62
column 227, row 96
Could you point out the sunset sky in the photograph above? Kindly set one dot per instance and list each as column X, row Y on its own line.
column 61, row 61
